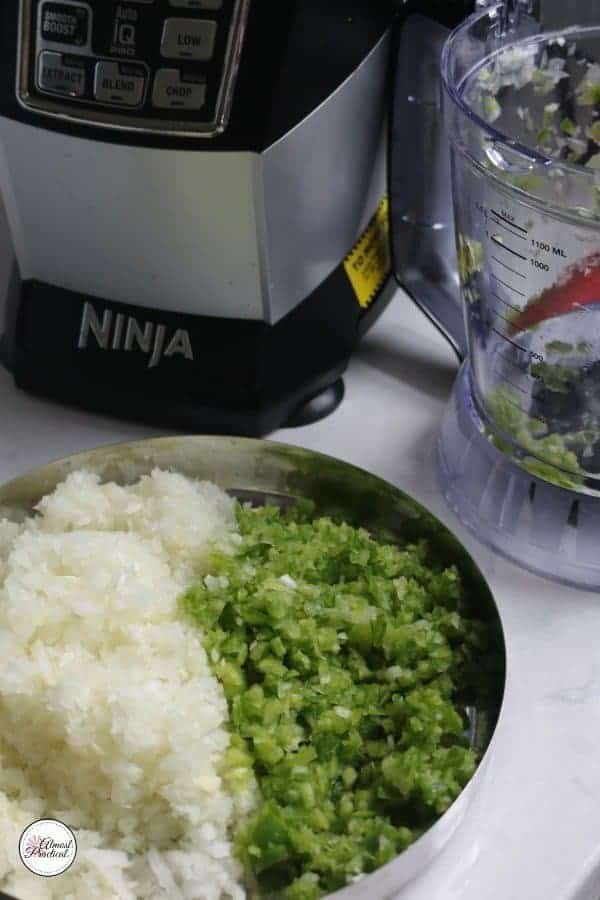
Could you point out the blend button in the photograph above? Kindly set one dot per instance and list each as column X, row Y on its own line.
column 119, row 84
column 57, row 75
column 189, row 39
column 65, row 23
column 172, row 92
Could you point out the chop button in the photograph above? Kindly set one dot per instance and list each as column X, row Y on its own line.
column 172, row 92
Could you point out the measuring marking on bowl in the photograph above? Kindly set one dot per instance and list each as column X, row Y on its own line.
column 520, row 107
column 535, row 284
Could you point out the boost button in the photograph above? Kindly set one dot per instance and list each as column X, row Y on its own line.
column 65, row 23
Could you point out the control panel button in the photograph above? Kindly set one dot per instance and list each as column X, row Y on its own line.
column 197, row 4
column 119, row 84
column 189, row 39
column 172, row 92
column 60, row 74
column 65, row 23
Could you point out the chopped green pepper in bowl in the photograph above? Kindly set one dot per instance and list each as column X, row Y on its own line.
column 349, row 664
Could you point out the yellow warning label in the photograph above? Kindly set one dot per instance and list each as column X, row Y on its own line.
column 370, row 262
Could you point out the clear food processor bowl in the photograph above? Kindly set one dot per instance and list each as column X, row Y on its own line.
column 522, row 109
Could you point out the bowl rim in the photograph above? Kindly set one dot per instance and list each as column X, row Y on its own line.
column 385, row 881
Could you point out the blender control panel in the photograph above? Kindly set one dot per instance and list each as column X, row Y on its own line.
column 166, row 66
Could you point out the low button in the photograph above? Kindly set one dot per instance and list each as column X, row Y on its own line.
column 57, row 75
column 170, row 92
column 189, row 39
column 119, row 84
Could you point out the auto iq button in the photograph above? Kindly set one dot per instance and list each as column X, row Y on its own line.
column 65, row 23
column 172, row 92
column 189, row 39
column 60, row 74
column 119, row 84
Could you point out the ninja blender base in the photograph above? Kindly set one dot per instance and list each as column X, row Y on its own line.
column 549, row 530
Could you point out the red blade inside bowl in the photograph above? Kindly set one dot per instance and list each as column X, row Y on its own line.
column 579, row 286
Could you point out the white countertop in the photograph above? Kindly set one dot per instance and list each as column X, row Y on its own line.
column 533, row 829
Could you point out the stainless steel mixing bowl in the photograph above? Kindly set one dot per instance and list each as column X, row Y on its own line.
column 263, row 471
